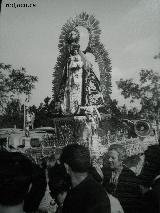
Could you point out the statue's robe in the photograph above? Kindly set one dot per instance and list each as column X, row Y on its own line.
column 80, row 86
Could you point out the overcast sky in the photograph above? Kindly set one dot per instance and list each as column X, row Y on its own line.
column 130, row 33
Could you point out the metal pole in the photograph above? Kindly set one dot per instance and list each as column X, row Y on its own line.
column 24, row 118
column 158, row 123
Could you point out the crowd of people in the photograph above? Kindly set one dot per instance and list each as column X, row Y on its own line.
column 70, row 182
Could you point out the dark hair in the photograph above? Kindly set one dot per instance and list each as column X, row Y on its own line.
column 60, row 185
column 151, row 167
column 15, row 178
column 59, row 180
column 77, row 157
column 57, row 171
column 50, row 161
column 43, row 163
column 132, row 160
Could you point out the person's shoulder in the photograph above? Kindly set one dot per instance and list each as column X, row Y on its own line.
column 96, row 174
column 128, row 177
column 129, row 172
column 95, row 188
column 156, row 182
column 99, row 200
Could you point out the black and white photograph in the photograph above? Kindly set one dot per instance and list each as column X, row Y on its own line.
column 79, row 106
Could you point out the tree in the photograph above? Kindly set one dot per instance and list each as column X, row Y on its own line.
column 13, row 83
column 44, row 113
column 13, row 115
column 111, row 117
column 147, row 91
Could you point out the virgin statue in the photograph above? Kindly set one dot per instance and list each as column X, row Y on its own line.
column 80, row 87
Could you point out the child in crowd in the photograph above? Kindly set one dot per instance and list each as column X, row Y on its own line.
column 59, row 184
column 59, row 193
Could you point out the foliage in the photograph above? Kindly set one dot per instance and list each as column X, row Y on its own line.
column 147, row 91
column 13, row 115
column 111, row 116
column 44, row 113
column 14, row 82
column 157, row 56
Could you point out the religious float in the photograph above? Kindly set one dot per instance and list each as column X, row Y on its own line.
column 77, row 90
column 79, row 93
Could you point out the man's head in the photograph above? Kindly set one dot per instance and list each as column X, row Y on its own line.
column 116, row 155
column 59, row 183
column 135, row 163
column 57, row 153
column 151, row 167
column 15, row 178
column 51, row 161
column 77, row 157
